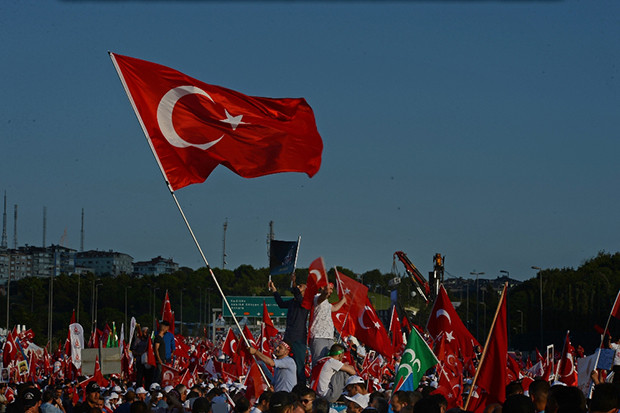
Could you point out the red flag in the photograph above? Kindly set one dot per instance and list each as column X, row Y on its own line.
column 97, row 376
column 317, row 278
column 169, row 376
column 489, row 384
column 255, row 384
column 444, row 319
column 230, row 344
column 513, row 371
column 10, row 351
column 355, row 293
column 166, row 312
column 407, row 324
column 272, row 331
column 397, row 332
column 369, row 329
column 194, row 126
column 150, row 354
column 188, row 379
column 450, row 386
column 264, row 340
column 615, row 310
column 566, row 371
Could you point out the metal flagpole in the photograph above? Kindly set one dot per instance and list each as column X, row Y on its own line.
column 598, row 353
column 161, row 169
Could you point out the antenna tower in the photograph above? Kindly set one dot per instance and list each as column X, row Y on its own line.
column 15, row 228
column 224, row 244
column 44, row 224
column 4, row 244
column 82, row 233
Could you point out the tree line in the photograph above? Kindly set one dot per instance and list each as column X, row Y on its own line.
column 573, row 299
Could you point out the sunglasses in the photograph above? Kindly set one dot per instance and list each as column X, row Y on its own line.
column 306, row 401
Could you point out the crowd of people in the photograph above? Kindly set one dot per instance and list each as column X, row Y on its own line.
column 329, row 381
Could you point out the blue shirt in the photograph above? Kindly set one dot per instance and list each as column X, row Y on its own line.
column 285, row 374
column 169, row 345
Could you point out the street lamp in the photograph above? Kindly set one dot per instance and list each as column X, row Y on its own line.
column 154, row 316
column 209, row 312
column 477, row 300
column 182, row 289
column 521, row 312
column 126, row 326
column 484, row 324
column 541, row 307
column 96, row 300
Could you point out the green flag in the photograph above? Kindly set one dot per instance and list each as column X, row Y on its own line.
column 416, row 359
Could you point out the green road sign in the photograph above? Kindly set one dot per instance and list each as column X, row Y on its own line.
column 253, row 306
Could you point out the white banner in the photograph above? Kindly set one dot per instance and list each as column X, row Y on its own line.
column 77, row 344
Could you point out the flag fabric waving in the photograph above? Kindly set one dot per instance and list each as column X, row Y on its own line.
column 416, row 359
column 444, row 319
column 317, row 278
column 396, row 330
column 272, row 331
column 489, row 384
column 566, row 371
column 282, row 255
column 193, row 126
column 166, row 312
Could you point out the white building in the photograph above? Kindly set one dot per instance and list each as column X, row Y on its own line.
column 105, row 262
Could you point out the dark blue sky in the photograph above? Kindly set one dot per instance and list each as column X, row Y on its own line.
column 487, row 131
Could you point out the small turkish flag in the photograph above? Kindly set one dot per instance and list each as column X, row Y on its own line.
column 192, row 126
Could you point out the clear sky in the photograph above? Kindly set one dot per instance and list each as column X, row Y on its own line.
column 486, row 131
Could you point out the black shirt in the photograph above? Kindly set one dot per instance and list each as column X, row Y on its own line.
column 296, row 317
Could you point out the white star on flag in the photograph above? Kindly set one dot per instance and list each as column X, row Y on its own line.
column 449, row 336
column 234, row 121
column 347, row 291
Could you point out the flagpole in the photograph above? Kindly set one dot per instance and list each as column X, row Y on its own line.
column 295, row 263
column 486, row 347
column 176, row 201
column 557, row 369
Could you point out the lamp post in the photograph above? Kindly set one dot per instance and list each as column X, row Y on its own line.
column 96, row 303
column 209, row 312
column 8, row 295
column 200, row 307
column 507, row 306
column 477, row 301
column 541, row 306
column 154, row 316
column 484, row 322
column 126, row 327
column 77, row 312
column 182, row 289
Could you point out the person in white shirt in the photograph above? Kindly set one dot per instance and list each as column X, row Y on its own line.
column 330, row 374
column 322, row 326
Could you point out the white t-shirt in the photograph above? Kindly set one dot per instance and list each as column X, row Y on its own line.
column 617, row 355
column 330, row 367
column 322, row 324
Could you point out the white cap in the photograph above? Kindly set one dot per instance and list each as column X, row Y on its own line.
column 359, row 399
column 354, row 380
column 155, row 386
column 117, row 389
column 141, row 390
column 168, row 388
column 113, row 395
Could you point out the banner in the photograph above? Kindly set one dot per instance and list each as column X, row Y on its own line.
column 77, row 344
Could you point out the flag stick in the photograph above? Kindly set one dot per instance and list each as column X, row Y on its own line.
column 176, row 201
column 486, row 346
column 295, row 263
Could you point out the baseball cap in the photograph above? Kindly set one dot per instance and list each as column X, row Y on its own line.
column 359, row 399
column 141, row 390
column 93, row 387
column 155, row 386
column 30, row 397
column 354, row 380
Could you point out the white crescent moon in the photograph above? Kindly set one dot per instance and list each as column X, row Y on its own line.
column 8, row 342
column 316, row 273
column 413, row 358
column 231, row 345
column 360, row 319
column 406, row 367
column 442, row 312
column 164, row 116
column 338, row 318
column 448, row 360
